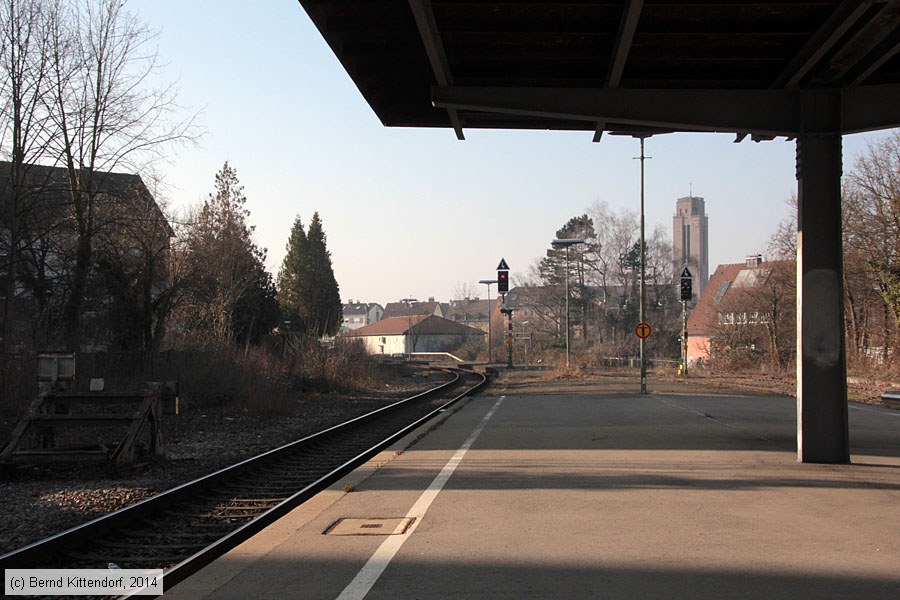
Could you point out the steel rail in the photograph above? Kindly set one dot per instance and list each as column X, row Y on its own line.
column 33, row 554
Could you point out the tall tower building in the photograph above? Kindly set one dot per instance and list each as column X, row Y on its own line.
column 690, row 239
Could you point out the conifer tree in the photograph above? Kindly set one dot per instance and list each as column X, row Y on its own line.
column 326, row 296
column 292, row 277
column 232, row 294
column 307, row 290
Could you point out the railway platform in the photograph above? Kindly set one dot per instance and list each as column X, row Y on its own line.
column 591, row 495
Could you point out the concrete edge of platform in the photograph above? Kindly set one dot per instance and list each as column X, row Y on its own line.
column 217, row 574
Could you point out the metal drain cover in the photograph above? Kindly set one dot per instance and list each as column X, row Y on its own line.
column 369, row 526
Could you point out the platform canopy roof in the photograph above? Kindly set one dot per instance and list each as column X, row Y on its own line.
column 764, row 69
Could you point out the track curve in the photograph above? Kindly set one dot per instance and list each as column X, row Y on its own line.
column 187, row 527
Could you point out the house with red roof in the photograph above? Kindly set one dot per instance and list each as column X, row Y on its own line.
column 734, row 300
column 414, row 333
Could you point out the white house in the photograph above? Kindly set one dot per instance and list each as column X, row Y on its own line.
column 360, row 314
column 416, row 333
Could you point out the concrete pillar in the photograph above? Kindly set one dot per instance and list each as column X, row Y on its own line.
column 822, row 431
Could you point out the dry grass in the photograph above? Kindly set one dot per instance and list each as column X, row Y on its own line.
column 254, row 379
column 862, row 387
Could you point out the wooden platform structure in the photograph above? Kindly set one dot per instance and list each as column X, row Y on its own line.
column 89, row 427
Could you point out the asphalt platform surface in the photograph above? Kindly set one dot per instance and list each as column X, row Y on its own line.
column 591, row 495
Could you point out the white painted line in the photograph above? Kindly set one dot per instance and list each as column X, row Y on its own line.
column 372, row 570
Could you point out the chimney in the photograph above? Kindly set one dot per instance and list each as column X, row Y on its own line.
column 431, row 298
column 753, row 261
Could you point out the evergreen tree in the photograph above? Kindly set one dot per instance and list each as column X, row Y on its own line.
column 231, row 293
column 307, row 290
column 293, row 277
column 582, row 259
column 326, row 294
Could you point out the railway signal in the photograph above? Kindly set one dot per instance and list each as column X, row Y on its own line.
column 687, row 294
column 503, row 281
column 687, row 289
column 503, row 276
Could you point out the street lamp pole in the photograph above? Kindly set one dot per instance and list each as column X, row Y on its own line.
column 488, row 282
column 643, row 300
column 566, row 243
column 409, row 302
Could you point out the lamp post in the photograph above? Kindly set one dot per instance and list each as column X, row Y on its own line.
column 565, row 243
column 409, row 302
column 488, row 282
column 643, row 263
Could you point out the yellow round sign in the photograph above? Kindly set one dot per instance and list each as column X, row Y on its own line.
column 643, row 330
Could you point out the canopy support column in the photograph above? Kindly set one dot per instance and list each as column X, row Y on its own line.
column 822, row 429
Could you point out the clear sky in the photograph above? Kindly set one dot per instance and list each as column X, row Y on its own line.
column 411, row 211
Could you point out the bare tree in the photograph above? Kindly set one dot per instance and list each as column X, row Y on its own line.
column 871, row 205
column 107, row 114
column 757, row 317
column 783, row 243
column 24, row 89
column 133, row 248
column 464, row 295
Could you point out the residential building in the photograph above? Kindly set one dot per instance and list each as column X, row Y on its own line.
column 734, row 302
column 429, row 307
column 416, row 333
column 472, row 312
column 129, row 259
column 360, row 314
column 690, row 240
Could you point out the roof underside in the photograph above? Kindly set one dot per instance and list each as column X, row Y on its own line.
column 608, row 65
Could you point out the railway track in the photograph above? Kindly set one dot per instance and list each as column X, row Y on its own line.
column 187, row 527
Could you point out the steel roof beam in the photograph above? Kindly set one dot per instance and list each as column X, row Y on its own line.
column 756, row 112
column 622, row 46
column 434, row 48
column 840, row 21
column 876, row 64
column 855, row 58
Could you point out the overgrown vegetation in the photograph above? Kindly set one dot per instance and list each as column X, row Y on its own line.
column 259, row 379
column 757, row 331
column 871, row 246
column 89, row 260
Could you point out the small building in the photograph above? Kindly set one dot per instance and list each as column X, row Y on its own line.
column 473, row 312
column 360, row 314
column 400, row 309
column 416, row 333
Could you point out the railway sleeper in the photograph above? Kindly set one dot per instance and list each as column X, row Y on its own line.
column 246, row 501
column 249, row 511
column 126, row 561
column 155, row 535
column 150, row 547
column 281, row 485
column 200, row 517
